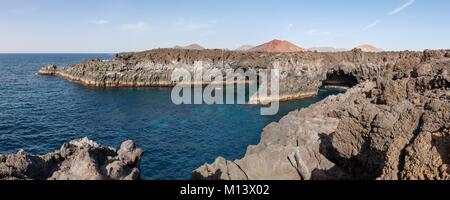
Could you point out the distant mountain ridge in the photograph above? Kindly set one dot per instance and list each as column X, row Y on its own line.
column 191, row 47
column 244, row 48
column 278, row 46
column 369, row 48
column 282, row 46
column 327, row 49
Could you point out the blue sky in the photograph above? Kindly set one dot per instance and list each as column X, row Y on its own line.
column 134, row 25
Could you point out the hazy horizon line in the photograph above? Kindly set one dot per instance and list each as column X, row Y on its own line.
column 131, row 51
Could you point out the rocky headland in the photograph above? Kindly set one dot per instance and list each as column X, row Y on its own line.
column 76, row 160
column 392, row 124
column 301, row 73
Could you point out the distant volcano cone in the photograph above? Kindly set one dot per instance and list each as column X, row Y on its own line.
column 369, row 48
column 278, row 46
column 245, row 48
column 191, row 47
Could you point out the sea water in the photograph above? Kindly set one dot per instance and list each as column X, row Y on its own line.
column 40, row 113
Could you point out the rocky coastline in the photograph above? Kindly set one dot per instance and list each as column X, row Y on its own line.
column 301, row 73
column 81, row 159
column 393, row 122
column 395, row 127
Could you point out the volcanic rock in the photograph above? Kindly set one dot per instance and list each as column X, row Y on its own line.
column 77, row 160
column 395, row 126
column 301, row 73
column 49, row 70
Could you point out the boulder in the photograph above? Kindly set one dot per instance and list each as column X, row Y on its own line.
column 49, row 70
column 76, row 160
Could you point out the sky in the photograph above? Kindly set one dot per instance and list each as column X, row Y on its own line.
column 109, row 26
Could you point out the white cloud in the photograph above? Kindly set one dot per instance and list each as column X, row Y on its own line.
column 189, row 26
column 393, row 12
column 289, row 27
column 134, row 26
column 99, row 22
column 372, row 25
column 401, row 8
column 315, row 32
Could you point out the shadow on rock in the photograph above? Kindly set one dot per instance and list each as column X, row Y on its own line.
column 368, row 165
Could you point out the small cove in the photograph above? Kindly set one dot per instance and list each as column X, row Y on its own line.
column 39, row 114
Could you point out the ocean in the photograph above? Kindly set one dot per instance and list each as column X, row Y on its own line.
column 40, row 113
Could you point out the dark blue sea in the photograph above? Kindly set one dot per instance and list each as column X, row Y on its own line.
column 40, row 113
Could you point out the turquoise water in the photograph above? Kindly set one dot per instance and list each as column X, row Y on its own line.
column 39, row 114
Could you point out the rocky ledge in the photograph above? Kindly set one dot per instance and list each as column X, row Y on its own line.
column 395, row 126
column 77, row 160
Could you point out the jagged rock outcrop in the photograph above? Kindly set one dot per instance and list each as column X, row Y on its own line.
column 77, row 160
column 396, row 126
column 48, row 70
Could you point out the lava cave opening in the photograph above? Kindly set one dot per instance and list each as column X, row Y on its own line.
column 340, row 78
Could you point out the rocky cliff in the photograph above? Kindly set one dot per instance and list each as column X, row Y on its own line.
column 395, row 126
column 77, row 160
